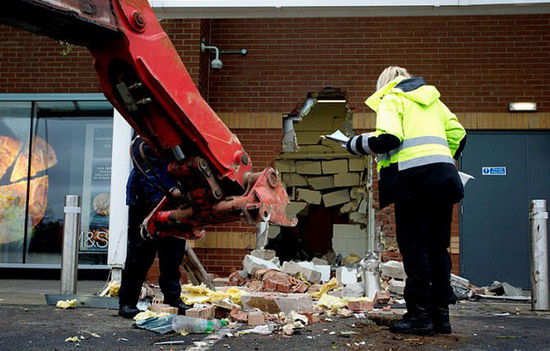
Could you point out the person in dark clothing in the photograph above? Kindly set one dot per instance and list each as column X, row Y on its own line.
column 417, row 141
column 143, row 193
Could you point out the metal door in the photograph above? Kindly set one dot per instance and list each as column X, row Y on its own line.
column 511, row 168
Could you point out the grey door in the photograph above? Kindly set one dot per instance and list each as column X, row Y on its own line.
column 510, row 169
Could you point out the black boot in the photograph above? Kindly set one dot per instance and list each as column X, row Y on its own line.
column 128, row 311
column 442, row 324
column 182, row 307
column 416, row 321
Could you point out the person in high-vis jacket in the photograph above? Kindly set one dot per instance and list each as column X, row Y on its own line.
column 416, row 143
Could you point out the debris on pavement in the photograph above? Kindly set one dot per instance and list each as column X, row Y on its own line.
column 66, row 304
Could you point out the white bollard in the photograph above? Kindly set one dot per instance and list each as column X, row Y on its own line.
column 71, row 232
column 539, row 255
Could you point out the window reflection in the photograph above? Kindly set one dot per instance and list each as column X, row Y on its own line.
column 70, row 153
column 15, row 127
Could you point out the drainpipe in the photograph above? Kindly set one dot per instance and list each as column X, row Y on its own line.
column 539, row 255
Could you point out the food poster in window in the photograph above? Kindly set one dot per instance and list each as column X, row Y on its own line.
column 96, row 188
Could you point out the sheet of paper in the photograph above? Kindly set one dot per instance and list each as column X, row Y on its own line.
column 465, row 177
column 338, row 137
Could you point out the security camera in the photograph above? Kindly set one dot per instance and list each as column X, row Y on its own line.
column 216, row 63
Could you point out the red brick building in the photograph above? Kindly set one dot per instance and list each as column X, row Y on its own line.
column 479, row 62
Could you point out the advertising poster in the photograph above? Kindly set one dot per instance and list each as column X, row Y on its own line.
column 96, row 187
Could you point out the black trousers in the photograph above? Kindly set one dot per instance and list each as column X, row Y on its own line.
column 423, row 236
column 140, row 257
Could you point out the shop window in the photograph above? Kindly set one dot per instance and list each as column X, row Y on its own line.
column 69, row 143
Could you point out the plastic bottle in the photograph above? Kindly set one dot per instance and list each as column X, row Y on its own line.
column 194, row 325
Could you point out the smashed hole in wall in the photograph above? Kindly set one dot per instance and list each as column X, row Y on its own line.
column 326, row 184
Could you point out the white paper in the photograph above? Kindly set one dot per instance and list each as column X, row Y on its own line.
column 338, row 137
column 465, row 177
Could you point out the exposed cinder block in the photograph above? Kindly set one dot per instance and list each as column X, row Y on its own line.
column 357, row 164
column 285, row 166
column 295, row 207
column 320, row 183
column 309, row 196
column 294, row 179
column 335, row 166
column 308, row 138
column 349, row 239
column 346, row 179
column 314, row 148
column 336, row 198
column 308, row 167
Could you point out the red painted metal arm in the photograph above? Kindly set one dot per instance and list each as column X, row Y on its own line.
column 143, row 76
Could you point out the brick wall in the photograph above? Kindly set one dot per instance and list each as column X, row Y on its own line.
column 33, row 64
column 478, row 63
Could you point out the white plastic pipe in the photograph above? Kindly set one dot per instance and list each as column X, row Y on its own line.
column 539, row 255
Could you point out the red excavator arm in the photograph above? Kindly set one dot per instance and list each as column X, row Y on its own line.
column 144, row 78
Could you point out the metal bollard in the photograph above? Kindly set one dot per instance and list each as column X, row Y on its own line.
column 71, row 231
column 539, row 255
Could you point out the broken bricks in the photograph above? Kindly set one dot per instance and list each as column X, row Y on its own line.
column 360, row 305
column 282, row 282
column 293, row 268
column 204, row 312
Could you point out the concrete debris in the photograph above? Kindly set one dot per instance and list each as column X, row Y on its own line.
column 163, row 308
column 346, row 275
column 382, row 296
column 251, row 264
column 263, row 254
column 293, row 268
column 205, row 312
column 393, row 269
column 282, row 282
column 319, row 261
column 256, row 318
column 278, row 302
column 397, row 286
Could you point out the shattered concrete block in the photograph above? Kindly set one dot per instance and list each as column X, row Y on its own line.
column 357, row 217
column 360, row 306
column 334, row 166
column 273, row 231
column 263, row 254
column 397, row 286
column 308, row 167
column 295, row 208
column 220, row 281
column 311, row 317
column 256, row 318
column 382, row 296
column 321, row 183
column 163, row 308
column 277, row 302
column 285, row 166
column 207, row 312
column 354, row 290
column 393, row 269
column 319, row 261
column 349, row 206
column 346, row 275
column 309, row 196
column 324, row 269
column 346, row 179
column 357, row 164
column 251, row 264
column 308, row 274
column 294, row 179
column 336, row 198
